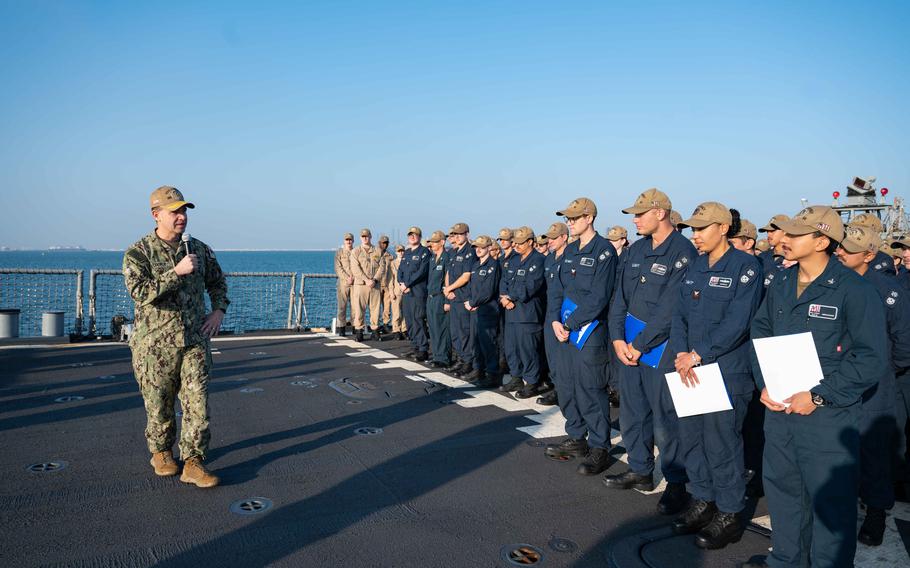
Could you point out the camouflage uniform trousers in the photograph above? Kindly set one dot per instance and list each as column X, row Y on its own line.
column 163, row 373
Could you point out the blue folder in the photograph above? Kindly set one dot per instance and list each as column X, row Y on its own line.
column 579, row 337
column 633, row 328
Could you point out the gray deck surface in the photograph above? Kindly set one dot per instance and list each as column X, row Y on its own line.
column 442, row 485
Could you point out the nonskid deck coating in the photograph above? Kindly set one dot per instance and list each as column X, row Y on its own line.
column 455, row 476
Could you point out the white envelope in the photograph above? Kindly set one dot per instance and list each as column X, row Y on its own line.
column 709, row 395
column 789, row 364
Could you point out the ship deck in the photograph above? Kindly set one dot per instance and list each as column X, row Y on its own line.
column 365, row 458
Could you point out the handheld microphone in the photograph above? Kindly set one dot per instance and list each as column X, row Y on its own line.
column 186, row 242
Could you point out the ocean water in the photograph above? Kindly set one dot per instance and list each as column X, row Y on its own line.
column 256, row 303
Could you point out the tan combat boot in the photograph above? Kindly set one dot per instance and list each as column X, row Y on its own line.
column 164, row 463
column 194, row 472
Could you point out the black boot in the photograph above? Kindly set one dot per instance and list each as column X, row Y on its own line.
column 489, row 381
column 399, row 336
column 630, row 480
column 473, row 376
column 340, row 331
column 512, row 385
column 374, row 336
column 527, row 391
column 873, row 530
column 358, row 335
column 421, row 356
column 597, row 461
column 755, row 562
column 696, row 517
column 577, row 447
column 456, row 364
column 724, row 528
column 674, row 499
column 548, row 399
column 464, row 369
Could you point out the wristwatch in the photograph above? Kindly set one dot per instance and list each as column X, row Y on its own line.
column 817, row 399
column 566, row 328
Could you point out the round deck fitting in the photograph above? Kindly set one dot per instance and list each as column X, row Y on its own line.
column 47, row 467
column 368, row 431
column 521, row 554
column 69, row 398
column 251, row 506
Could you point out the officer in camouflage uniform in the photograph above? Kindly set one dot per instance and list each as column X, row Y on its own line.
column 167, row 280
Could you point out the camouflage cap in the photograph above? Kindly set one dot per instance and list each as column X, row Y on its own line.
column 675, row 218
column 365, row 233
column 616, row 232
column 763, row 245
column 868, row 220
column 542, row 239
column 815, row 218
column 415, row 231
column 522, row 235
column 459, row 229
column 651, row 199
column 708, row 213
column 773, row 223
column 349, row 236
column 557, row 230
column 436, row 237
column 170, row 198
column 505, row 234
column 858, row 238
column 579, row 207
column 482, row 241
column 384, row 239
column 747, row 230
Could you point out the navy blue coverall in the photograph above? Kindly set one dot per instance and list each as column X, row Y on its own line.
column 879, row 434
column 437, row 316
column 412, row 272
column 715, row 307
column 523, row 282
column 811, row 469
column 460, row 261
column 484, row 296
column 585, row 276
column 648, row 289
column 551, row 344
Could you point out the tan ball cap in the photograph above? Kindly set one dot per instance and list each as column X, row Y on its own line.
column 774, row 222
column 505, row 234
column 365, row 233
column 542, row 239
column 415, row 231
column 579, row 207
column 383, row 239
column 459, row 229
column 557, row 230
column 399, row 248
column 858, row 238
column 868, row 220
column 170, row 198
column 675, row 218
column 349, row 236
column 482, row 241
column 616, row 233
column 522, row 235
column 763, row 245
column 708, row 213
column 436, row 237
column 651, row 199
column 901, row 243
column 747, row 230
column 889, row 250
column 815, row 218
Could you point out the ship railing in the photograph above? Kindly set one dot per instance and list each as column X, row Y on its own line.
column 317, row 301
column 259, row 300
column 34, row 291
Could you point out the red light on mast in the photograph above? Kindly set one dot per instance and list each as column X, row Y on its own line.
column 884, row 191
column 836, row 194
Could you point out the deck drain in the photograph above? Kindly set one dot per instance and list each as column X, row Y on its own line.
column 522, row 554
column 354, row 402
column 562, row 545
column 47, row 467
column 248, row 390
column 304, row 383
column 251, row 506
column 69, row 398
column 560, row 458
column 536, row 443
column 368, row 431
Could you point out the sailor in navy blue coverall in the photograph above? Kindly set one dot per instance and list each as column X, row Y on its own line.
column 483, row 305
column 437, row 314
column 558, row 235
column 718, row 298
column 412, row 279
column 585, row 277
column 522, row 296
column 811, row 469
column 461, row 262
column 879, row 434
column 647, row 289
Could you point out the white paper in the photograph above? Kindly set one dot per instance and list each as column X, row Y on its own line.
column 709, row 395
column 789, row 364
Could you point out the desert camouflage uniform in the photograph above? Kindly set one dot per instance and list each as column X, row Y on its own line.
column 170, row 353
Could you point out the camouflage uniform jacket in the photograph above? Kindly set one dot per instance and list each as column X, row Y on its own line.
column 170, row 309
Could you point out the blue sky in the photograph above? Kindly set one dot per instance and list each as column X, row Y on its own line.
column 291, row 123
